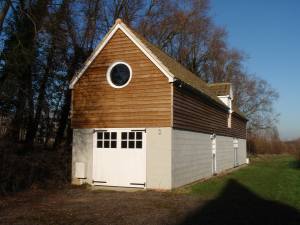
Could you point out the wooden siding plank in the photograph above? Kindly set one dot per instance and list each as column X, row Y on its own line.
column 191, row 112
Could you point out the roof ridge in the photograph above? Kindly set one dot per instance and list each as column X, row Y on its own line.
column 219, row 83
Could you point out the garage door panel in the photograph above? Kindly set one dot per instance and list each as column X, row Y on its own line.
column 120, row 158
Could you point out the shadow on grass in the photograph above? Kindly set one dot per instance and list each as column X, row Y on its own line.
column 238, row 205
column 295, row 164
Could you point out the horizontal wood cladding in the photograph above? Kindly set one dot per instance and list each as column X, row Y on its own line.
column 238, row 126
column 144, row 102
column 193, row 112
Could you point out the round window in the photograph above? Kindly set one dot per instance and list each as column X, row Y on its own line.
column 119, row 74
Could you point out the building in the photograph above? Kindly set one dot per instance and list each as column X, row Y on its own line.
column 140, row 119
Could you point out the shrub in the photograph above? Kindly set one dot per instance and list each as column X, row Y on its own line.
column 257, row 144
column 21, row 169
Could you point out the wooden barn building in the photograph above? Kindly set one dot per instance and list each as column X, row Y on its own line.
column 140, row 119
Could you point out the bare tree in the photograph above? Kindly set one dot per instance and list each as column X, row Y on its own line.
column 4, row 10
column 127, row 10
column 37, row 63
column 255, row 97
column 81, row 42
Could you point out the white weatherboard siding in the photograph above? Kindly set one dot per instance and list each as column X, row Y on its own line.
column 158, row 158
column 225, row 153
column 191, row 157
column 242, row 151
column 173, row 157
column 82, row 152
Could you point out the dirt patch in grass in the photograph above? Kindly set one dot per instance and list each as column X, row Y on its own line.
column 81, row 206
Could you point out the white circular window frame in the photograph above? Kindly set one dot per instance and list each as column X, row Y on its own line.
column 109, row 71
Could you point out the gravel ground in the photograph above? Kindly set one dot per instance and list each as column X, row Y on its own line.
column 82, row 206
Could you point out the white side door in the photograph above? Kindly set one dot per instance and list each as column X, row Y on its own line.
column 119, row 158
column 235, row 149
column 214, row 154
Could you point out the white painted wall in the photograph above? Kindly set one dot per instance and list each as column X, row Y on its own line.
column 158, row 158
column 82, row 151
column 242, row 151
column 191, row 157
column 173, row 157
column 225, row 153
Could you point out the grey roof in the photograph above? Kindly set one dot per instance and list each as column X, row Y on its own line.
column 183, row 74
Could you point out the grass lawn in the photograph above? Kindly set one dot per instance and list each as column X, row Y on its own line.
column 274, row 178
column 265, row 192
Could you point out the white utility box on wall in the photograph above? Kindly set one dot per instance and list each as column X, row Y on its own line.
column 80, row 170
column 247, row 161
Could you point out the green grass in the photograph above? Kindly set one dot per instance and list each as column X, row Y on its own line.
column 275, row 178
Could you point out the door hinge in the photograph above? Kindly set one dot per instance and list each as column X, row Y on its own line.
column 101, row 182
column 141, row 184
column 144, row 130
column 96, row 130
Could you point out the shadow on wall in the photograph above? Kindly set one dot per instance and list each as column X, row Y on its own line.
column 238, row 205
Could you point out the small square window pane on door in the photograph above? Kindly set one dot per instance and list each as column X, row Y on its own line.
column 131, row 135
column 139, row 144
column 131, row 144
column 113, row 144
column 139, row 135
column 124, row 144
column 113, row 135
column 106, row 144
column 124, row 135
column 106, row 135
column 99, row 144
column 100, row 135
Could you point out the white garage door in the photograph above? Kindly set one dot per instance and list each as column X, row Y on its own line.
column 119, row 158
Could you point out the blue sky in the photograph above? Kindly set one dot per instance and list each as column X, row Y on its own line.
column 268, row 32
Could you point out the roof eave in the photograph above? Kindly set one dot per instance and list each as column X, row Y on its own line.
column 241, row 116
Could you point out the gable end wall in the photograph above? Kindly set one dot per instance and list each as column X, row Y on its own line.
column 144, row 102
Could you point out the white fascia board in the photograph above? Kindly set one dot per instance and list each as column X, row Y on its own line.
column 231, row 92
column 94, row 54
column 224, row 96
column 135, row 40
